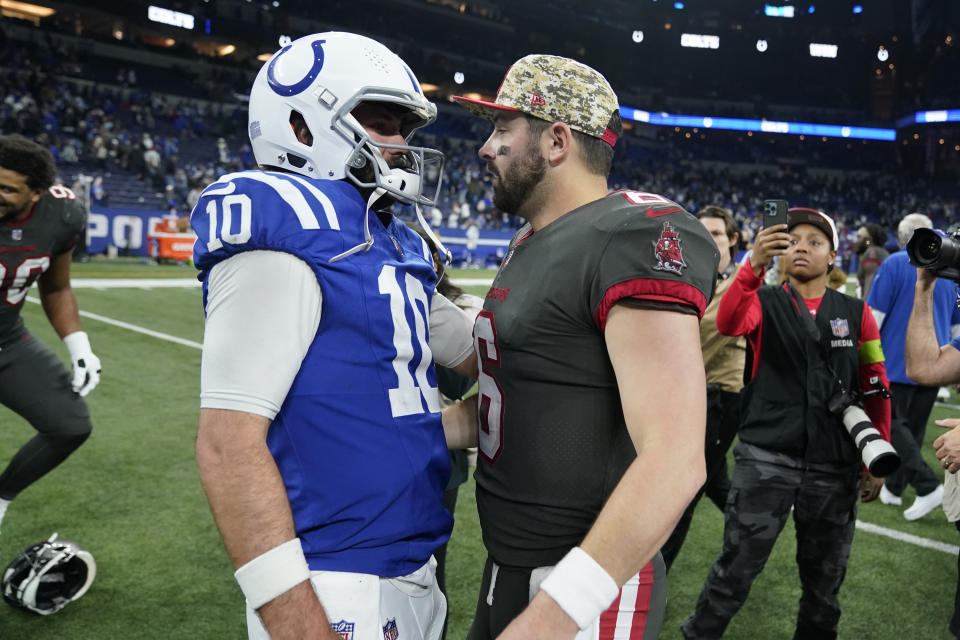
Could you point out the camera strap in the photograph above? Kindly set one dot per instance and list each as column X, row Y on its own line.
column 806, row 319
column 810, row 328
column 812, row 331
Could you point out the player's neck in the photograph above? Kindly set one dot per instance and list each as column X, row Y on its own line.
column 565, row 192
column 19, row 216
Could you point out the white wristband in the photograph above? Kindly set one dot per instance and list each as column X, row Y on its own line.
column 581, row 587
column 77, row 342
column 273, row 573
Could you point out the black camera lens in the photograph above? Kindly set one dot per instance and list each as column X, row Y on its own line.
column 936, row 251
column 929, row 249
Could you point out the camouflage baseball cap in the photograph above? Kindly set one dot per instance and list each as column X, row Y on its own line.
column 554, row 89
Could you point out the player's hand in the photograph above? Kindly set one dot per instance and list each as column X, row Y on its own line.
column 926, row 279
column 297, row 615
column 869, row 487
column 947, row 445
column 543, row 619
column 770, row 242
column 86, row 366
column 460, row 424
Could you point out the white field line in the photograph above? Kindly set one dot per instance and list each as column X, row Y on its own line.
column 133, row 283
column 909, row 538
column 472, row 282
column 184, row 282
column 132, row 327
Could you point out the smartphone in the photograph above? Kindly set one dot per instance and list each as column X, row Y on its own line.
column 774, row 212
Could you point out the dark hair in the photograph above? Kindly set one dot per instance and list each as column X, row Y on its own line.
column 730, row 225
column 878, row 235
column 597, row 155
column 23, row 156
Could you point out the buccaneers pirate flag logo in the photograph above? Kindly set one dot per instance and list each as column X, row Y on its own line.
column 668, row 252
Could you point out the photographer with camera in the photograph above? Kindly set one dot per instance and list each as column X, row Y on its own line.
column 891, row 300
column 813, row 353
column 929, row 363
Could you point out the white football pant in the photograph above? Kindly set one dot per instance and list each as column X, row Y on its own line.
column 360, row 606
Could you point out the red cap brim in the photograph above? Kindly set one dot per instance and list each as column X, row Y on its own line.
column 482, row 108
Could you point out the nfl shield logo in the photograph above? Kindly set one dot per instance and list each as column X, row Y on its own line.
column 343, row 629
column 840, row 327
column 390, row 631
column 17, row 234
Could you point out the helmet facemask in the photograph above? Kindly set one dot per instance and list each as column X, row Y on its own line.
column 366, row 167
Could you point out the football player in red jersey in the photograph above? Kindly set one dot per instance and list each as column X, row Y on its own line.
column 39, row 224
column 592, row 402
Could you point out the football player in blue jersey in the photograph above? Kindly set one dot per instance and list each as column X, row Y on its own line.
column 40, row 222
column 321, row 445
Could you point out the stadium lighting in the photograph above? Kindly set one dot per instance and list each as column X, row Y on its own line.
column 638, row 36
column 761, row 45
column 778, row 11
column 946, row 115
column 458, row 77
column 882, row 54
column 818, row 50
column 170, row 17
column 759, row 126
column 812, row 9
column 699, row 41
column 24, row 10
column 857, row 8
column 678, row 5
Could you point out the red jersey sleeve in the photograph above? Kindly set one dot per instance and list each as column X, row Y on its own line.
column 739, row 312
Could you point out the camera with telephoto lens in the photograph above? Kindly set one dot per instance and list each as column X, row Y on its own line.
column 937, row 251
column 878, row 455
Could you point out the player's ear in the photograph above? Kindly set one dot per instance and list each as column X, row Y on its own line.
column 558, row 142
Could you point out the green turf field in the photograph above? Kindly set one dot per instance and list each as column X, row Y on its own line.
column 132, row 497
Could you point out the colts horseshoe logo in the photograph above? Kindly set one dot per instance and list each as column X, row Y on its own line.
column 295, row 88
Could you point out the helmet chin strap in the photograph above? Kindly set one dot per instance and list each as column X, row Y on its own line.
column 445, row 254
column 367, row 236
column 402, row 182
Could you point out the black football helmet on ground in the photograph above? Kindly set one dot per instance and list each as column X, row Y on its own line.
column 48, row 576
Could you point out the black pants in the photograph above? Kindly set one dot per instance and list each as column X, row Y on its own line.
column 911, row 406
column 767, row 488
column 35, row 384
column 723, row 421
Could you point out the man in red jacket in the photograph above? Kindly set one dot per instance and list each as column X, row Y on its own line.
column 794, row 453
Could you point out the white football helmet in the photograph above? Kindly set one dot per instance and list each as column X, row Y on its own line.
column 323, row 77
column 48, row 576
